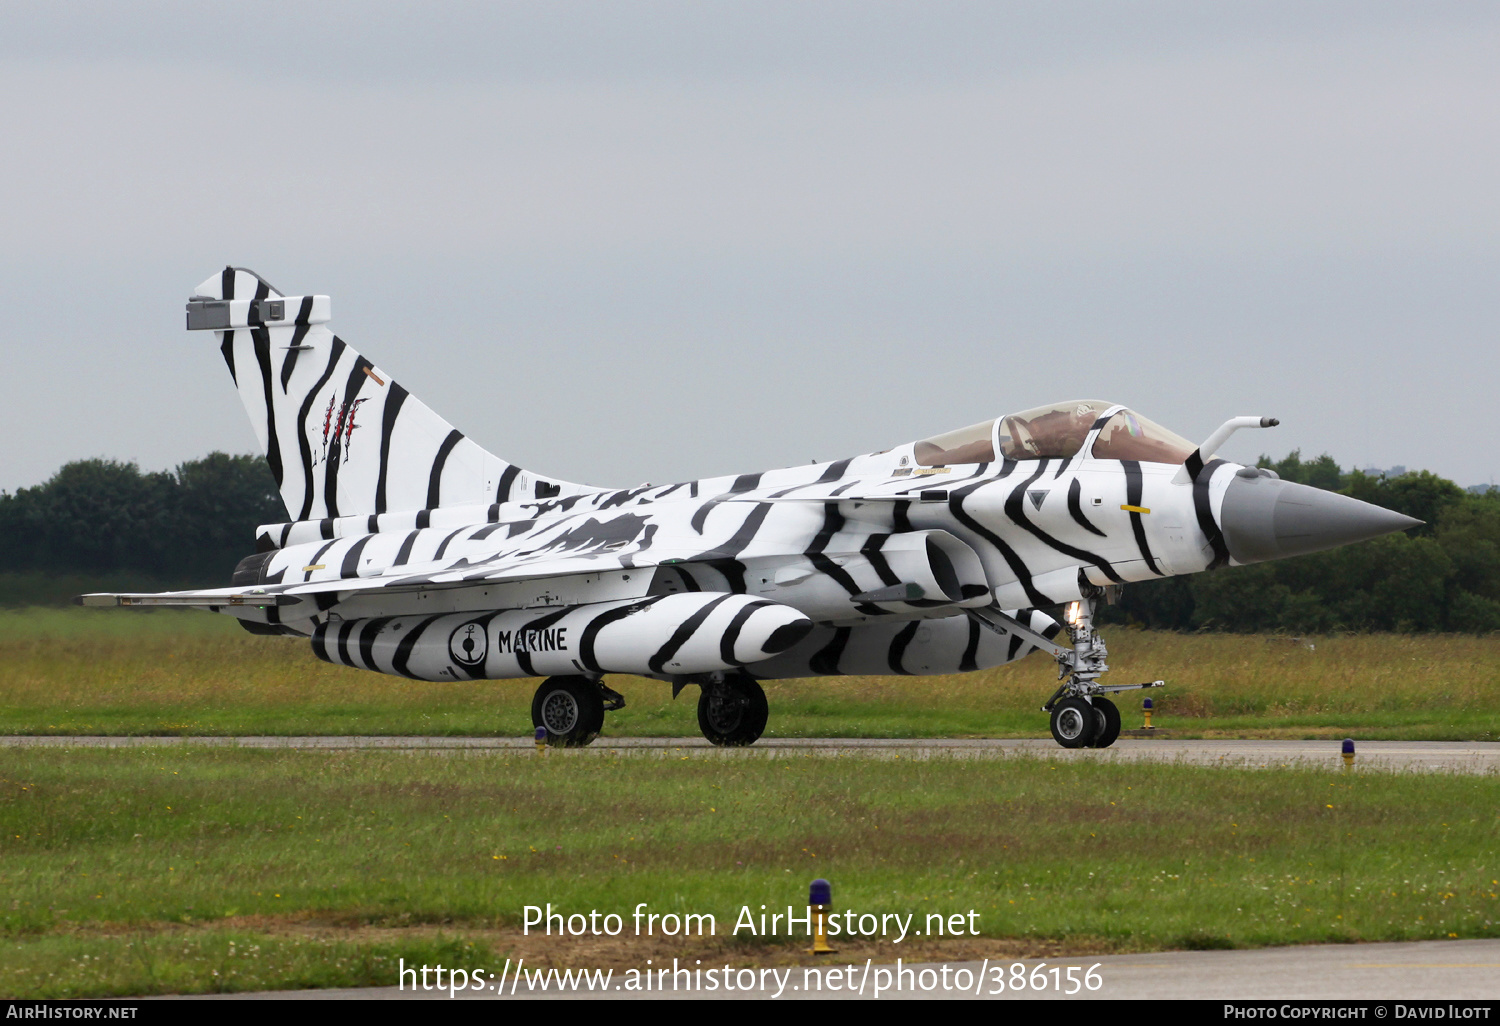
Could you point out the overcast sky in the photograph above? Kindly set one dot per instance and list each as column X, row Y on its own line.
column 628, row 241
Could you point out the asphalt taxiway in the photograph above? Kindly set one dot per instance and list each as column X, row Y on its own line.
column 1440, row 756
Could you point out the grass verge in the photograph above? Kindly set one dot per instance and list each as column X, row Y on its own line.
column 364, row 856
column 209, row 961
column 87, row 671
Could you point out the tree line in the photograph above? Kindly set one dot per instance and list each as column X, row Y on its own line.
column 103, row 520
column 106, row 520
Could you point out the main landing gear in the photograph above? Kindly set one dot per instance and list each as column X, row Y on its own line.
column 732, row 712
column 1082, row 717
column 572, row 709
column 732, row 709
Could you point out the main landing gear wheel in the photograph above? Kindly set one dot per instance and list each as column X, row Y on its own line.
column 570, row 708
column 1109, row 722
column 1074, row 723
column 733, row 713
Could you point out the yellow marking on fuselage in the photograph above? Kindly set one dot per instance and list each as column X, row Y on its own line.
column 310, row 569
column 1135, row 509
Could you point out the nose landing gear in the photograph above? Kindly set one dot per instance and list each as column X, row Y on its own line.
column 1082, row 717
column 1074, row 724
column 1109, row 725
column 1092, row 722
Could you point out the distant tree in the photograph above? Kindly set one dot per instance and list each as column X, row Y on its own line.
column 106, row 517
column 1322, row 472
column 1167, row 604
column 1470, row 533
column 220, row 501
column 94, row 516
column 1247, row 598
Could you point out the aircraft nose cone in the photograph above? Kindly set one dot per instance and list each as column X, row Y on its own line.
column 1265, row 518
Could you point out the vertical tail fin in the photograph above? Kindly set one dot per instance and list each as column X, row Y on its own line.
column 341, row 436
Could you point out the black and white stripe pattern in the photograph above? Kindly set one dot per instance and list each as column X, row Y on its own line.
column 341, row 436
column 950, row 644
column 400, row 529
column 661, row 635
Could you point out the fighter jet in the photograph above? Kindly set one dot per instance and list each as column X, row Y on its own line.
column 411, row 550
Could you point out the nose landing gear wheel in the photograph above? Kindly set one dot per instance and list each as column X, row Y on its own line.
column 733, row 714
column 1109, row 722
column 1074, row 723
column 570, row 708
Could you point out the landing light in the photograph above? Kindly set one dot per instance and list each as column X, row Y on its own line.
column 820, row 896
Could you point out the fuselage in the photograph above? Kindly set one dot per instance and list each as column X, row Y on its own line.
column 837, row 541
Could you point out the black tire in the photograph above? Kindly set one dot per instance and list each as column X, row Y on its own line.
column 570, row 708
column 1109, row 719
column 1074, row 723
column 733, row 714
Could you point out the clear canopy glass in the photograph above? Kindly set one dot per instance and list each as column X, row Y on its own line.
column 1129, row 436
column 1049, row 431
column 1056, row 431
column 973, row 444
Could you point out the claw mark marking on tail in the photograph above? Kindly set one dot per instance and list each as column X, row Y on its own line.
column 349, row 428
column 327, row 423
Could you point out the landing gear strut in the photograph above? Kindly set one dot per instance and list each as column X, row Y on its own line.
column 572, row 709
column 1082, row 717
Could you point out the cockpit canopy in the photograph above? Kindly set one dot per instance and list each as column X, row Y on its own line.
column 1059, row 430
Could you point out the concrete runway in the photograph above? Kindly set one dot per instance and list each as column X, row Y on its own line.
column 1481, row 757
column 1458, row 970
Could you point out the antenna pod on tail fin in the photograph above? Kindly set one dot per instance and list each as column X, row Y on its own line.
column 341, row 436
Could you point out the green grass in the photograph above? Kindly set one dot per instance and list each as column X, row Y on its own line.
column 86, row 671
column 135, row 871
column 161, row 857
column 208, row 962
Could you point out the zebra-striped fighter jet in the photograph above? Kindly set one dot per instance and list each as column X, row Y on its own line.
column 410, row 550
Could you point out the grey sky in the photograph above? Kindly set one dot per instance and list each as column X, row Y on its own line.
column 646, row 241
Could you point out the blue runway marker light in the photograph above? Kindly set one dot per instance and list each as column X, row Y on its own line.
column 1348, row 749
column 1146, row 707
column 820, row 896
column 541, row 739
